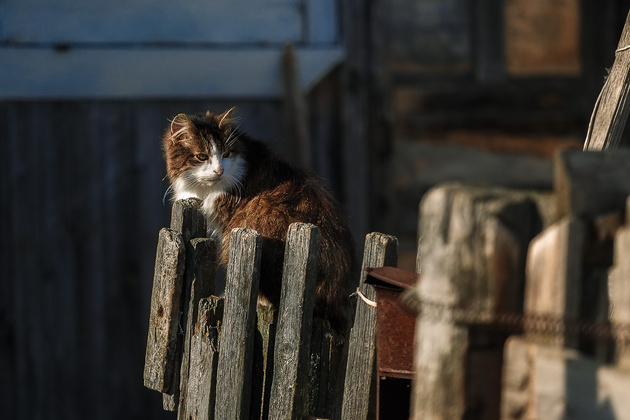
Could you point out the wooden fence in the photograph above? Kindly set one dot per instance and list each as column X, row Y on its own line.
column 523, row 298
column 226, row 358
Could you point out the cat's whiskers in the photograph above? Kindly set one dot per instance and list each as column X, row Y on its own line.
column 231, row 139
column 168, row 191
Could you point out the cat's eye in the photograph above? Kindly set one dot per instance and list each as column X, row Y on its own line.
column 227, row 154
column 201, row 156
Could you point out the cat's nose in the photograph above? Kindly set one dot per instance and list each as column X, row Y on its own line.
column 219, row 171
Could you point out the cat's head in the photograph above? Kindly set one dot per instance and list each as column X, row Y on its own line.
column 203, row 154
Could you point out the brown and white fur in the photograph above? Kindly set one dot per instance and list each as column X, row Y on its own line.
column 243, row 184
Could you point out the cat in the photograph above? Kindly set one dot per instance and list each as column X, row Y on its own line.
column 243, row 184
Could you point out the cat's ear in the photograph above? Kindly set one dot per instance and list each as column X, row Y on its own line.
column 225, row 119
column 180, row 125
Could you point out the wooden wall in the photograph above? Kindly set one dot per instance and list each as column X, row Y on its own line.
column 485, row 92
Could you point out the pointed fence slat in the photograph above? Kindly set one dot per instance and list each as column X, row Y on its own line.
column 165, row 308
column 204, row 355
column 295, row 321
column 237, row 333
column 358, row 400
column 201, row 266
column 186, row 219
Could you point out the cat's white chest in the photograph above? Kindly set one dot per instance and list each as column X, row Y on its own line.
column 208, row 208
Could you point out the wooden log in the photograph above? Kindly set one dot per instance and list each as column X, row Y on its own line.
column 619, row 295
column 593, row 183
column 611, row 109
column 204, row 355
column 164, row 315
column 552, row 288
column 546, row 382
column 473, row 249
column 237, row 334
column 201, row 267
column 190, row 222
column 358, row 393
column 295, row 322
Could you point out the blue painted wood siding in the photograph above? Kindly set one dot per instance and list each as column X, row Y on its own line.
column 161, row 48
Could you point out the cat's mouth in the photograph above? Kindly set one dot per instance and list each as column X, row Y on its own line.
column 211, row 181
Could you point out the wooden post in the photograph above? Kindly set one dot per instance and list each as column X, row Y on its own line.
column 611, row 108
column 161, row 347
column 358, row 400
column 204, row 355
column 554, row 281
column 237, row 333
column 474, row 242
column 295, row 113
column 187, row 220
column 201, row 262
column 295, row 322
column 619, row 294
column 591, row 184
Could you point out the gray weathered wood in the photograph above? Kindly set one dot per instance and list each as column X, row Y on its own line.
column 619, row 295
column 262, row 370
column 295, row 322
column 164, row 314
column 204, row 355
column 237, row 333
column 588, row 184
column 474, row 242
column 358, row 400
column 324, row 367
column 201, row 267
column 545, row 382
column 611, row 109
column 554, row 280
column 187, row 220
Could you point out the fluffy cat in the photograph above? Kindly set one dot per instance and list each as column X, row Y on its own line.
column 243, row 184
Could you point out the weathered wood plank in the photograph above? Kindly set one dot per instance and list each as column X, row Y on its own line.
column 543, row 382
column 619, row 295
column 187, row 220
column 238, row 22
column 295, row 322
column 611, row 109
column 201, row 267
column 554, row 280
column 165, row 308
column 588, row 184
column 262, row 370
column 358, row 393
column 218, row 73
column 204, row 355
column 473, row 248
column 237, row 333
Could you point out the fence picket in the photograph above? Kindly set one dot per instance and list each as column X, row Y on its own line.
column 204, row 355
column 190, row 223
column 201, row 266
column 164, row 314
column 295, row 321
column 358, row 401
column 237, row 333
